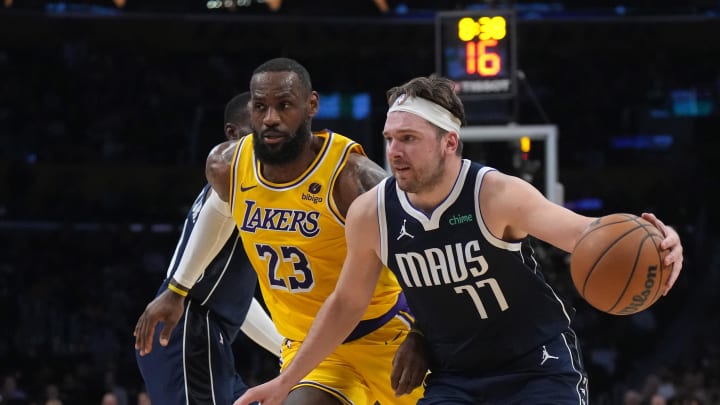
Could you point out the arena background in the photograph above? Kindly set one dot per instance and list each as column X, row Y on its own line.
column 107, row 111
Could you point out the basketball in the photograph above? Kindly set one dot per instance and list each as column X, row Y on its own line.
column 616, row 265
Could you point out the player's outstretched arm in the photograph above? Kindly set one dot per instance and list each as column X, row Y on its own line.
column 515, row 209
column 341, row 311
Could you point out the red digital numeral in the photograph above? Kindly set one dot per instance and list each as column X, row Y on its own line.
column 478, row 59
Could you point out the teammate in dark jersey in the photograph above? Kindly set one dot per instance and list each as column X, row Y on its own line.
column 455, row 235
column 209, row 297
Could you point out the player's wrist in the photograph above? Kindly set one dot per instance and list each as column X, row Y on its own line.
column 287, row 380
column 178, row 288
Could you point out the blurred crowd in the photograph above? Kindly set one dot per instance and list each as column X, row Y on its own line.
column 74, row 103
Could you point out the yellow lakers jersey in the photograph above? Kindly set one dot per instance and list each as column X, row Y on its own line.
column 294, row 235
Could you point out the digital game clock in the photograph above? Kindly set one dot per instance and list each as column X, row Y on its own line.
column 476, row 49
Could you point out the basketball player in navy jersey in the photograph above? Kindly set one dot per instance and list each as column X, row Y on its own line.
column 455, row 232
column 209, row 297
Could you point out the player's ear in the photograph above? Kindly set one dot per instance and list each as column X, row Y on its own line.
column 452, row 142
column 231, row 131
column 313, row 103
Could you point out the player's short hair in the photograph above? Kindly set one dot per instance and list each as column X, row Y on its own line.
column 438, row 89
column 236, row 110
column 287, row 65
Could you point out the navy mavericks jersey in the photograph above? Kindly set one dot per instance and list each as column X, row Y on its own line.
column 227, row 285
column 480, row 301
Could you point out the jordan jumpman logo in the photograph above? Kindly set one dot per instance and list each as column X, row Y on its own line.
column 403, row 232
column 546, row 356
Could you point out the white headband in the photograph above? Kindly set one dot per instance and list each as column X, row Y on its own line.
column 428, row 110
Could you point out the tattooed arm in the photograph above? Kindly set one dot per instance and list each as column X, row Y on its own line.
column 359, row 175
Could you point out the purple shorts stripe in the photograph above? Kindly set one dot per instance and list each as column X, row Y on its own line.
column 369, row 325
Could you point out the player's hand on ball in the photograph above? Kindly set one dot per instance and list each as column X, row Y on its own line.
column 672, row 243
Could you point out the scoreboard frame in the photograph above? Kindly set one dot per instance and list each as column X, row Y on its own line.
column 496, row 53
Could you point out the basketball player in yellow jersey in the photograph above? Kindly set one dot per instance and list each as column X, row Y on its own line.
column 289, row 190
column 295, row 234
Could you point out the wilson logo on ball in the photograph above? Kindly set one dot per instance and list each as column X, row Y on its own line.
column 640, row 299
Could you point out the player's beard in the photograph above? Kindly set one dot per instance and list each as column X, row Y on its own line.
column 426, row 178
column 284, row 152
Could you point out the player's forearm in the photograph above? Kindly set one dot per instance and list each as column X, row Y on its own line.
column 212, row 229
column 259, row 327
column 333, row 323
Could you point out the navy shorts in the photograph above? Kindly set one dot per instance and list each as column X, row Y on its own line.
column 197, row 367
column 551, row 374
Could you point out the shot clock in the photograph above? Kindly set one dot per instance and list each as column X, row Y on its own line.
column 476, row 49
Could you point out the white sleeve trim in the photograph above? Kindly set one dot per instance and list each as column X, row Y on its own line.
column 212, row 229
